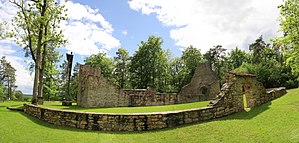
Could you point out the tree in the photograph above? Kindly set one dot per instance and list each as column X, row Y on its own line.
column 37, row 30
column 148, row 64
column 121, row 67
column 216, row 58
column 19, row 95
column 191, row 57
column 8, row 77
column 74, row 82
column 179, row 73
column 289, row 25
column 256, row 49
column 237, row 57
column 2, row 95
column 102, row 62
column 51, row 79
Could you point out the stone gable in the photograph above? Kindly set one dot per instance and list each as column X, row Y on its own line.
column 204, row 86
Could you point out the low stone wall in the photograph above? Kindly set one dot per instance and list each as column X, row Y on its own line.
column 140, row 121
column 122, row 122
column 149, row 97
column 273, row 93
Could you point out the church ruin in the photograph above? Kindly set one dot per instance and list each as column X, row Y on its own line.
column 96, row 91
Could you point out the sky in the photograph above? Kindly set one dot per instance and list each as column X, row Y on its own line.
column 106, row 25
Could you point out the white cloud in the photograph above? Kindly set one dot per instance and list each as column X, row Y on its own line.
column 87, row 30
column 207, row 23
column 24, row 80
column 8, row 11
column 6, row 49
column 125, row 32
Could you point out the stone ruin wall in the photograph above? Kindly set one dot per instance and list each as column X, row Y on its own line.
column 228, row 101
column 149, row 97
column 226, row 104
column 231, row 95
column 96, row 91
column 204, row 86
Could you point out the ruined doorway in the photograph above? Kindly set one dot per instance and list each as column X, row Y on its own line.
column 248, row 99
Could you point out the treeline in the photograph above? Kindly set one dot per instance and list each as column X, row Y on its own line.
column 275, row 64
column 8, row 87
column 151, row 66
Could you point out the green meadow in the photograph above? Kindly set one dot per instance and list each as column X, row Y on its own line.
column 276, row 122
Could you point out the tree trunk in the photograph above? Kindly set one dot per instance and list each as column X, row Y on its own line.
column 35, row 84
column 42, row 69
column 41, row 74
column 38, row 55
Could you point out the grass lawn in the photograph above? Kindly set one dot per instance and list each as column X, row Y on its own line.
column 276, row 122
column 57, row 105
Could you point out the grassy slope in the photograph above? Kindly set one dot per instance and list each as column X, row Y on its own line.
column 277, row 121
column 57, row 105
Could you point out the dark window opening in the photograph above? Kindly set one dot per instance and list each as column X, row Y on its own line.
column 204, row 90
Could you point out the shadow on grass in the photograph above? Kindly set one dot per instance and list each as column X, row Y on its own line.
column 247, row 115
column 51, row 126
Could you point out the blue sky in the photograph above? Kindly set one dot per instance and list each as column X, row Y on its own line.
column 105, row 25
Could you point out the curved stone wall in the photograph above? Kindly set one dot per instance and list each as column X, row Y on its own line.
column 143, row 121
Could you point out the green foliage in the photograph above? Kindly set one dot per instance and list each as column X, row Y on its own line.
column 190, row 59
column 256, row 49
column 121, row 67
column 36, row 29
column 237, row 57
column 62, row 84
column 216, row 57
column 271, row 74
column 2, row 94
column 7, row 77
column 51, row 77
column 149, row 65
column 102, row 62
column 27, row 98
column 289, row 25
column 19, row 95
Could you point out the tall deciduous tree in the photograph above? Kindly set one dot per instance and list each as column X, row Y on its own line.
column 7, row 77
column 2, row 95
column 216, row 57
column 256, row 48
column 121, row 67
column 191, row 58
column 37, row 30
column 102, row 62
column 148, row 64
column 237, row 57
column 179, row 73
column 289, row 25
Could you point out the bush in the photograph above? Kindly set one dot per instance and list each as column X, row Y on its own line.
column 27, row 98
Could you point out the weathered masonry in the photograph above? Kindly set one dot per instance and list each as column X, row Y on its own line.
column 225, row 105
column 228, row 101
column 204, row 86
column 96, row 91
column 239, row 86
